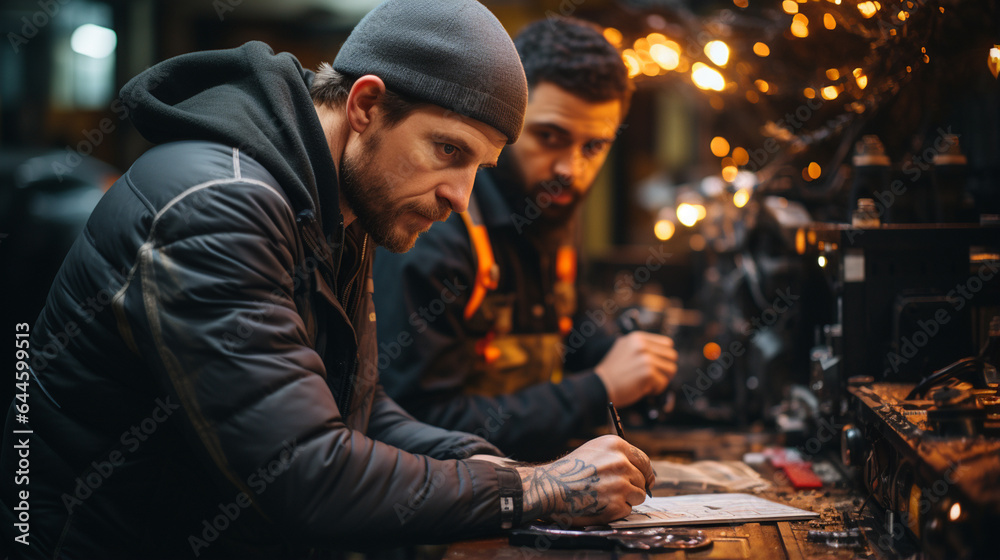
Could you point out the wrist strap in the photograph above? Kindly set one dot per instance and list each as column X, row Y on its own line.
column 511, row 497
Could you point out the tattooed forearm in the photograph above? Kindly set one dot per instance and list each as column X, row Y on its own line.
column 564, row 486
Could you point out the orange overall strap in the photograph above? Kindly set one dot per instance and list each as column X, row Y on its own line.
column 487, row 277
column 566, row 272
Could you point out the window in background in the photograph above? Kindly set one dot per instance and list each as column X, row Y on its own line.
column 84, row 48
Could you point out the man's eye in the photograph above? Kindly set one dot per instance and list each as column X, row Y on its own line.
column 594, row 148
column 449, row 149
column 552, row 140
column 544, row 136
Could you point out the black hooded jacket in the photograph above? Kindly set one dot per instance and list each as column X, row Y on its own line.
column 204, row 371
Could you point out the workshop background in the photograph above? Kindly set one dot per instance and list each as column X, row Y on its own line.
column 746, row 124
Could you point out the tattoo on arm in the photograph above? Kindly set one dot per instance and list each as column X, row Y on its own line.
column 564, row 486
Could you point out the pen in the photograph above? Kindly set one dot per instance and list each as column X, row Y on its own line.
column 617, row 421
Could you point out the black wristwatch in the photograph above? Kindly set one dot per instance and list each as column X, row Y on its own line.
column 511, row 497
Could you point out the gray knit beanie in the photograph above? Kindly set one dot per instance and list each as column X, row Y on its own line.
column 452, row 53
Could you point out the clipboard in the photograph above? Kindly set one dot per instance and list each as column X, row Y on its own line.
column 709, row 509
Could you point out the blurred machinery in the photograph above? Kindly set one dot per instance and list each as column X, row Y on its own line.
column 909, row 370
column 885, row 328
column 738, row 296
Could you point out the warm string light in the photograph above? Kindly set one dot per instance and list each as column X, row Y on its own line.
column 860, row 78
column 656, row 54
column 812, row 172
column 868, row 9
column 800, row 26
column 719, row 146
column 613, row 36
column 650, row 55
column 632, row 63
column 667, row 55
column 717, row 52
column 706, row 77
column 664, row 229
column 741, row 198
column 687, row 215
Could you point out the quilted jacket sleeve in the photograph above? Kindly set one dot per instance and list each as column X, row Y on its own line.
column 209, row 306
column 393, row 425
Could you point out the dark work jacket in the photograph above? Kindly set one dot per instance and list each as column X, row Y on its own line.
column 204, row 368
column 426, row 353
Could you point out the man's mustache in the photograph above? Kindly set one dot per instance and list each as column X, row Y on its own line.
column 554, row 188
column 438, row 213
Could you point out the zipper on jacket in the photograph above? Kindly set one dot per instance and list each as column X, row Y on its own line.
column 348, row 390
column 349, row 289
column 311, row 240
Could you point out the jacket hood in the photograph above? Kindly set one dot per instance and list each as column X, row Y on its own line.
column 250, row 98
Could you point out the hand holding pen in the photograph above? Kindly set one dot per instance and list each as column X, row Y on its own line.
column 617, row 421
column 594, row 484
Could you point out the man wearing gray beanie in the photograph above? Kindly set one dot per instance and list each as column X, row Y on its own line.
column 206, row 376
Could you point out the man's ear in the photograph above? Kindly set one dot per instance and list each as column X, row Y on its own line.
column 363, row 97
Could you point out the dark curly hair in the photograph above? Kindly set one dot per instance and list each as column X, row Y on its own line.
column 574, row 55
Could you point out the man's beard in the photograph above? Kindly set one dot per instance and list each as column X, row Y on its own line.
column 528, row 200
column 370, row 197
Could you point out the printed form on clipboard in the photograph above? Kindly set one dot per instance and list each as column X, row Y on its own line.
column 709, row 509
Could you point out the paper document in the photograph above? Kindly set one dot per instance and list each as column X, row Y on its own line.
column 709, row 509
column 734, row 476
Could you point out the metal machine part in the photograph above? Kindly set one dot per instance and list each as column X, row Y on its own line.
column 936, row 484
